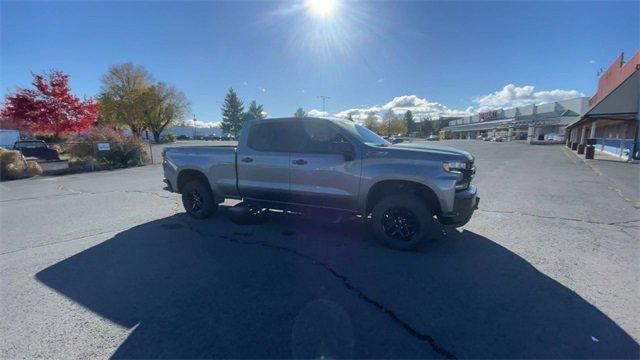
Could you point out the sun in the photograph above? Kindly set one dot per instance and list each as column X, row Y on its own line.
column 321, row 8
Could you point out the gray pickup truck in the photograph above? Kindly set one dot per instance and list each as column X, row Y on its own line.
column 403, row 190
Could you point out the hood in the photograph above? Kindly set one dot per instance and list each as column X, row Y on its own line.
column 433, row 149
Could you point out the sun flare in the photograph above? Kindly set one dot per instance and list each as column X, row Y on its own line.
column 321, row 8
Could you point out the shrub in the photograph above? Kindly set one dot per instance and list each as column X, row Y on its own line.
column 183, row 137
column 33, row 168
column 169, row 138
column 13, row 166
column 123, row 152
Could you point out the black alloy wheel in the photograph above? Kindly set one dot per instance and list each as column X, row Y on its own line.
column 198, row 200
column 400, row 223
column 404, row 222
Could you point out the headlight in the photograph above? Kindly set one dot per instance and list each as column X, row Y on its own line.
column 454, row 166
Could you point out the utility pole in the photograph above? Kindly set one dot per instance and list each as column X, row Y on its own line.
column 324, row 99
column 194, row 126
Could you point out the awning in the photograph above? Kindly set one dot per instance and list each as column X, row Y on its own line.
column 620, row 104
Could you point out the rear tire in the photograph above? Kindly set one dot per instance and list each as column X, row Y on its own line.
column 403, row 222
column 198, row 200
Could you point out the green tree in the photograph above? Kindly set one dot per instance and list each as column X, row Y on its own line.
column 232, row 113
column 163, row 106
column 409, row 122
column 300, row 113
column 427, row 127
column 255, row 112
column 122, row 97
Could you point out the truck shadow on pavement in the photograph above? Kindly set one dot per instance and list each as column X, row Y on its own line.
column 201, row 289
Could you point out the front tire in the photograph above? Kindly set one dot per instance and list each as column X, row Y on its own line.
column 403, row 222
column 198, row 200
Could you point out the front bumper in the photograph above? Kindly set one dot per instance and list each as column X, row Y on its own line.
column 465, row 203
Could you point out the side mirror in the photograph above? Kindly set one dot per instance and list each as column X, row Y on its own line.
column 345, row 149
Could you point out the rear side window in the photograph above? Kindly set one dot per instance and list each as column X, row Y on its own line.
column 29, row 145
column 269, row 137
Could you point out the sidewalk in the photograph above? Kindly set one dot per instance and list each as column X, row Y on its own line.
column 624, row 175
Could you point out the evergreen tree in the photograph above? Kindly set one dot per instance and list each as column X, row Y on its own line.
column 300, row 113
column 255, row 112
column 232, row 114
column 409, row 122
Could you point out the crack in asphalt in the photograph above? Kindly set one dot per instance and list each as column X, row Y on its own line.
column 616, row 223
column 73, row 192
column 408, row 328
column 64, row 241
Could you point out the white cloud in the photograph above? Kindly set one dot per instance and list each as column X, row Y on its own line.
column 199, row 123
column 263, row 89
column 421, row 107
column 265, row 114
column 509, row 96
column 512, row 96
column 592, row 61
column 360, row 114
column 317, row 113
column 380, row 80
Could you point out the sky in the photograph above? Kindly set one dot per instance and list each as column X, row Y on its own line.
column 435, row 58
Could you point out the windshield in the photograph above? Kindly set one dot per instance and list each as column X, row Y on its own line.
column 363, row 134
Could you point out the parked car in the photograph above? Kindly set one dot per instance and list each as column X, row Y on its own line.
column 294, row 163
column 36, row 148
column 433, row 138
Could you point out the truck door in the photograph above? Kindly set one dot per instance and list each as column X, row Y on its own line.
column 263, row 162
column 325, row 166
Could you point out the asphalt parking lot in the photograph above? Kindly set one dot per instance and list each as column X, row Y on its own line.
column 107, row 264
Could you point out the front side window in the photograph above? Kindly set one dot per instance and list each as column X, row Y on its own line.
column 363, row 134
column 319, row 137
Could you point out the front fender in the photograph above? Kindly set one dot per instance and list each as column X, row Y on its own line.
column 429, row 175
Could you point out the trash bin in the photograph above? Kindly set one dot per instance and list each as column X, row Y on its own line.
column 581, row 149
column 574, row 146
column 591, row 149
column 590, row 152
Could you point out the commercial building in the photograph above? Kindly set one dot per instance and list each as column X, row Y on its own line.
column 612, row 119
column 532, row 122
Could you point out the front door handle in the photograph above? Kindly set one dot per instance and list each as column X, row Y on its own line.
column 247, row 160
column 300, row 162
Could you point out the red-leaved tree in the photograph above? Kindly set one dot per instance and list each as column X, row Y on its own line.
column 50, row 108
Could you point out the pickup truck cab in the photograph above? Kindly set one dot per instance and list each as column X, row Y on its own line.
column 334, row 164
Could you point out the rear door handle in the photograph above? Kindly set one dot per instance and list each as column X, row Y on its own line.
column 247, row 160
column 300, row 162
